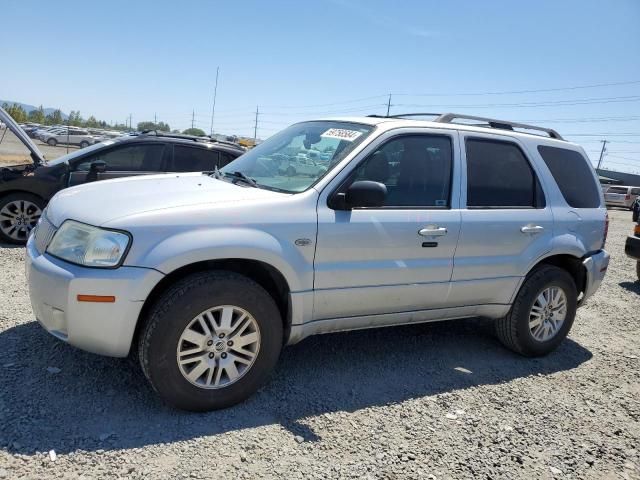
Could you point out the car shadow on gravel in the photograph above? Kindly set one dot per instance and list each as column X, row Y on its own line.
column 631, row 286
column 96, row 403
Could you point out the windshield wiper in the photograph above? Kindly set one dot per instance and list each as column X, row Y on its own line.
column 241, row 176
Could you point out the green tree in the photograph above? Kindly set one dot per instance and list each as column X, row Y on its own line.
column 91, row 122
column 54, row 118
column 37, row 115
column 16, row 112
column 194, row 131
column 75, row 118
column 160, row 126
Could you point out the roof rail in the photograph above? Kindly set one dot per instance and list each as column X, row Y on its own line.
column 492, row 123
column 191, row 137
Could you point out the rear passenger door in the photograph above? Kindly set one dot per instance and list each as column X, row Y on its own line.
column 122, row 161
column 193, row 159
column 506, row 222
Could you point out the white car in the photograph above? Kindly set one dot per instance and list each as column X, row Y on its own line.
column 621, row 196
column 70, row 136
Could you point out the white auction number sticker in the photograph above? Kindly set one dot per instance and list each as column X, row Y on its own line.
column 342, row 134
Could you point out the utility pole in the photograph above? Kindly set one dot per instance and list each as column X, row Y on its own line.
column 213, row 109
column 155, row 119
column 193, row 117
column 389, row 105
column 255, row 129
column 130, row 121
column 604, row 142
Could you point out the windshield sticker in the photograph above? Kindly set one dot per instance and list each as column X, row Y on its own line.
column 342, row 134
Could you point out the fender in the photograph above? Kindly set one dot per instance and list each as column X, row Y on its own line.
column 218, row 243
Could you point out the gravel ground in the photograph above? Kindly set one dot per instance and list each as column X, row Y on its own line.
column 13, row 151
column 428, row 401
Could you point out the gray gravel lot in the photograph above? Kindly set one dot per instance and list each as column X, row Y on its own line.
column 427, row 401
column 13, row 151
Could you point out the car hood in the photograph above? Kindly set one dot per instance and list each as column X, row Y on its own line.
column 100, row 202
column 36, row 154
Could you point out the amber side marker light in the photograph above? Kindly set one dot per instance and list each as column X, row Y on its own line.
column 97, row 298
column 636, row 230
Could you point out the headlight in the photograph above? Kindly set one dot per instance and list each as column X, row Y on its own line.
column 88, row 246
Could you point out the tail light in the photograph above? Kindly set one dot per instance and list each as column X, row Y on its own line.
column 606, row 228
column 636, row 230
column 627, row 197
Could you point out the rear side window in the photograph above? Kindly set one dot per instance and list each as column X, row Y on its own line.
column 622, row 190
column 500, row 176
column 635, row 191
column 573, row 176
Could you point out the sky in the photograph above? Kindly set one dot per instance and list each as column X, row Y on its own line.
column 573, row 65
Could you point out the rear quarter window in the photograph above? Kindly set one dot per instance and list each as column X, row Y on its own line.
column 573, row 176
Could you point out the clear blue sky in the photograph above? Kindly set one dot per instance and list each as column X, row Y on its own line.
column 122, row 57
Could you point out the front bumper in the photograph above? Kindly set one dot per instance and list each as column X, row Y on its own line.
column 632, row 247
column 596, row 267
column 102, row 328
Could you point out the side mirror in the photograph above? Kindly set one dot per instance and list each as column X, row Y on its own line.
column 99, row 166
column 364, row 193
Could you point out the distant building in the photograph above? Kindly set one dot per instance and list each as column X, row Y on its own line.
column 620, row 178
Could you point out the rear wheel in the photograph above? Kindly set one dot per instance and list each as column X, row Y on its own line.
column 19, row 214
column 211, row 341
column 542, row 314
column 52, row 141
column 638, row 270
column 84, row 144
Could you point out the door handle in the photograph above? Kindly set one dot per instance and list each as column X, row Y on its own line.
column 432, row 231
column 532, row 229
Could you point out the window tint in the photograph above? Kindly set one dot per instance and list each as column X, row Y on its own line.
column 226, row 158
column 145, row 158
column 635, row 191
column 573, row 176
column 499, row 175
column 415, row 169
column 192, row 159
column 622, row 190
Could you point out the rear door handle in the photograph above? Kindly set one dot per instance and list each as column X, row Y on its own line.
column 532, row 229
column 432, row 231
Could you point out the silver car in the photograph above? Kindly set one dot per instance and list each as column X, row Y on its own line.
column 621, row 196
column 69, row 136
column 207, row 276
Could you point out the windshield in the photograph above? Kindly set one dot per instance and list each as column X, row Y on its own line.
column 295, row 158
column 77, row 153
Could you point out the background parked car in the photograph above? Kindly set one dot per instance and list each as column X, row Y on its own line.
column 621, row 196
column 70, row 136
column 26, row 189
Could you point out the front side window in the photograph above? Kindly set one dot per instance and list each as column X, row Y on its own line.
column 416, row 169
column 297, row 157
column 130, row 158
column 500, row 176
column 193, row 159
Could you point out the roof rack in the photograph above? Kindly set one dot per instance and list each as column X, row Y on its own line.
column 490, row 122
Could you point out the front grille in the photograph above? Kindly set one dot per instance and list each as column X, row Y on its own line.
column 43, row 234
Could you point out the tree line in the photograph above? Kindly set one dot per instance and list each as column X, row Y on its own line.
column 20, row 115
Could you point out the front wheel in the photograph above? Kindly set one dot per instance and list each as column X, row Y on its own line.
column 84, row 144
column 542, row 313
column 19, row 214
column 211, row 341
column 52, row 142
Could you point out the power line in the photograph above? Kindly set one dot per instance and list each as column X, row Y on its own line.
column 513, row 92
column 550, row 103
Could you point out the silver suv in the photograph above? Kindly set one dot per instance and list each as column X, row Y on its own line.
column 206, row 276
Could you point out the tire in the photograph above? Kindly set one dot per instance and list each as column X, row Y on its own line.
column 638, row 270
column 52, row 142
column 635, row 214
column 161, row 340
column 514, row 330
column 84, row 144
column 291, row 171
column 19, row 213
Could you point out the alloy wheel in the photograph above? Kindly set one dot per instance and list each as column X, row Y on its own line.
column 547, row 314
column 218, row 347
column 18, row 218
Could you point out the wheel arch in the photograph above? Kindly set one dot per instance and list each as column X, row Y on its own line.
column 264, row 274
column 571, row 264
